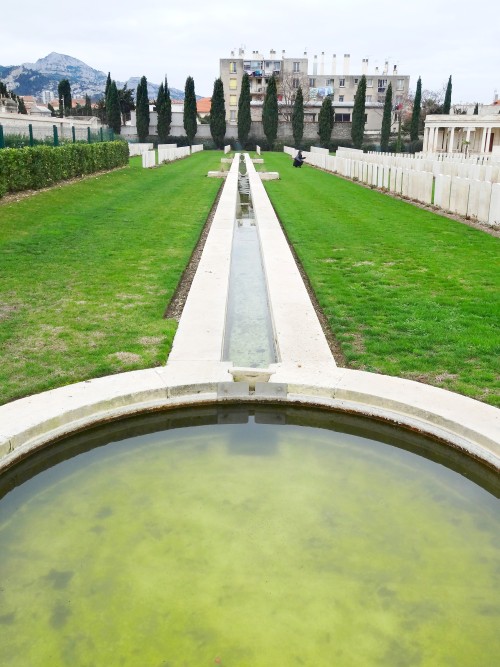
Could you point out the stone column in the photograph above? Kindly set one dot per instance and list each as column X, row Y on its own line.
column 483, row 140
column 487, row 142
column 450, row 140
column 435, row 139
column 426, row 139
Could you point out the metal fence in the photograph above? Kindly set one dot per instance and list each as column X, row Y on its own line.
column 17, row 132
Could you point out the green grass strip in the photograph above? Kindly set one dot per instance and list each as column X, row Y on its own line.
column 406, row 292
column 87, row 270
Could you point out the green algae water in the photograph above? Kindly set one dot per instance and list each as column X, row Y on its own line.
column 247, row 539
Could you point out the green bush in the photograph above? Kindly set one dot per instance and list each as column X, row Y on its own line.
column 32, row 168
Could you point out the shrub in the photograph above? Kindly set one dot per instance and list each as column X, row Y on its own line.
column 36, row 167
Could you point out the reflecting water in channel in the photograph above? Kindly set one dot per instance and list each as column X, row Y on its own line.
column 248, row 338
column 251, row 540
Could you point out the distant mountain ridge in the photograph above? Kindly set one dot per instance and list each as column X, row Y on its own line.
column 45, row 74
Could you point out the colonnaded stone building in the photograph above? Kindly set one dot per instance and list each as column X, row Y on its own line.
column 317, row 79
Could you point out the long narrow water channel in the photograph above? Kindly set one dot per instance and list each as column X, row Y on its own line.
column 249, row 338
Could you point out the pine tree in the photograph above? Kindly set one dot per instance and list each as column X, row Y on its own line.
column 244, row 115
column 447, row 98
column 476, row 110
column 164, row 111
column 358, row 114
column 385, row 131
column 113, row 109
column 298, row 118
column 142, row 106
column 415, row 116
column 64, row 94
column 218, row 114
column 270, row 113
column 190, row 113
column 325, row 122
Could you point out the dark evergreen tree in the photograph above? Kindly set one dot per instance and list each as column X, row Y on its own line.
column 476, row 109
column 447, row 98
column 415, row 116
column 87, row 109
column 358, row 114
column 64, row 94
column 108, row 86
column 298, row 118
column 244, row 115
column 142, row 105
column 385, row 131
column 52, row 110
column 126, row 97
column 270, row 113
column 325, row 122
column 218, row 114
column 113, row 109
column 164, row 117
column 21, row 107
column 190, row 113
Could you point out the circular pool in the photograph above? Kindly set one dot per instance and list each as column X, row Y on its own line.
column 252, row 537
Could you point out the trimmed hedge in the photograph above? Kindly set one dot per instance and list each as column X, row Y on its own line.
column 36, row 167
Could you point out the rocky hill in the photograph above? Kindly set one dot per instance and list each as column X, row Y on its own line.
column 45, row 74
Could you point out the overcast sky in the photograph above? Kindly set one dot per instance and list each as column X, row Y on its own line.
column 427, row 38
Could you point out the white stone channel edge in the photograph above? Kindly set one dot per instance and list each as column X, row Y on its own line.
column 306, row 373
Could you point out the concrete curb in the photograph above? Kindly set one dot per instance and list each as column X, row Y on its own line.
column 29, row 424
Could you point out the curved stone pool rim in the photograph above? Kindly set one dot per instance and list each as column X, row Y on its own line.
column 462, row 423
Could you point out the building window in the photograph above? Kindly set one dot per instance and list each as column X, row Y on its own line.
column 232, row 67
column 368, row 98
column 341, row 98
column 356, row 82
column 342, row 118
column 312, row 83
column 295, row 83
column 369, row 83
column 232, row 115
column 399, row 99
column 342, row 83
column 232, row 100
column 233, row 84
column 296, row 67
column 330, row 82
column 400, row 84
column 382, row 85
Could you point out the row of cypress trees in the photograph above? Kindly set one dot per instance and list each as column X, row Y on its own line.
column 269, row 112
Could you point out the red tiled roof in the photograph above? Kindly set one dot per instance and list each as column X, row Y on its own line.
column 204, row 105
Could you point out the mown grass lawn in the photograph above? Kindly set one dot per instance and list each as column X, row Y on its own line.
column 87, row 270
column 406, row 292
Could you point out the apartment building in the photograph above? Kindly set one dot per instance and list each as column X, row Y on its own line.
column 317, row 78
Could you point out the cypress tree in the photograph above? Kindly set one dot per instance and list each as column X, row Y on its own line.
column 385, row 132
column 164, row 111
column 325, row 122
column 447, row 98
column 358, row 114
column 108, row 86
column 244, row 115
column 64, row 94
column 476, row 110
column 87, row 109
column 21, row 107
column 270, row 113
column 415, row 116
column 113, row 109
column 298, row 118
column 142, row 106
column 218, row 114
column 190, row 113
